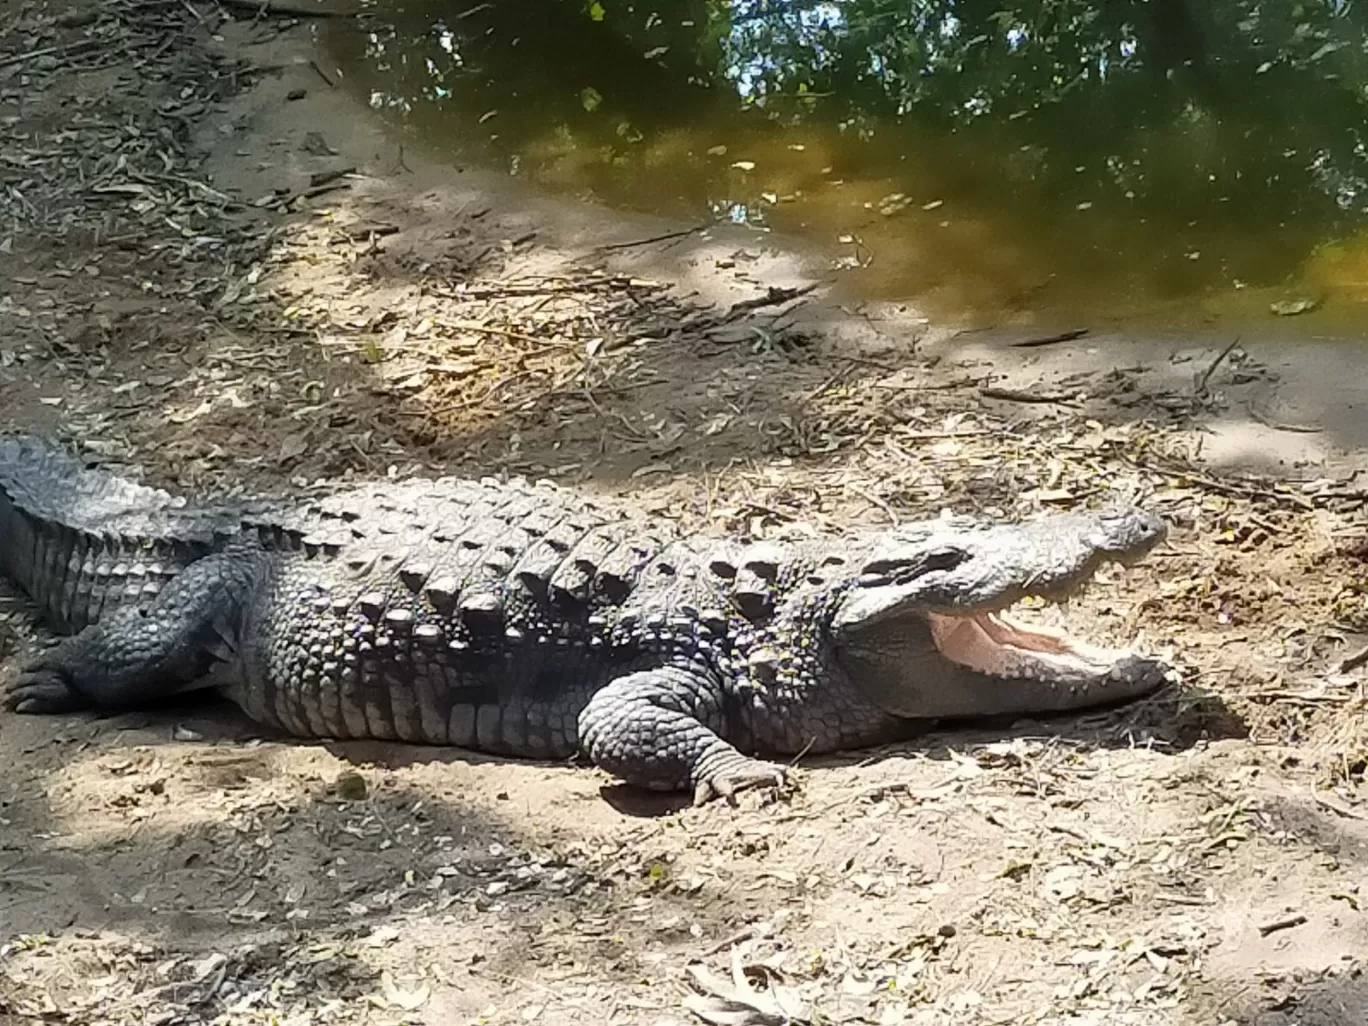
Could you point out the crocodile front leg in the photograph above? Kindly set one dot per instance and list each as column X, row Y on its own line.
column 658, row 729
column 139, row 655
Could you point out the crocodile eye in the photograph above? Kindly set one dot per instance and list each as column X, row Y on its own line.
column 944, row 557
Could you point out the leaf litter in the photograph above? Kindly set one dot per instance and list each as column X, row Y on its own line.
column 280, row 338
column 737, row 1002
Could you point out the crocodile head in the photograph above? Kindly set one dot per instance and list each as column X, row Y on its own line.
column 923, row 630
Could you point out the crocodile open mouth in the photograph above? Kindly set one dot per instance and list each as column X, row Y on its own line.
column 999, row 645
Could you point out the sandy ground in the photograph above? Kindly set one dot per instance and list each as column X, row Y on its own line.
column 189, row 289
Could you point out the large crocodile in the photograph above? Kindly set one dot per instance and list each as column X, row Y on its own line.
column 518, row 619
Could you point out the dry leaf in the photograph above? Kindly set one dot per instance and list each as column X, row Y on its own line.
column 189, row 415
column 408, row 1000
column 737, row 1003
column 293, row 445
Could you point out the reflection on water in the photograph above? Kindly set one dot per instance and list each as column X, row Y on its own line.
column 1087, row 157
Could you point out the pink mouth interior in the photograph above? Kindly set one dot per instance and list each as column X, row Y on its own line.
column 994, row 643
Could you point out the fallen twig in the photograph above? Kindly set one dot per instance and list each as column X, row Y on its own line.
column 321, row 73
column 489, row 329
column 501, row 291
column 1179, row 899
column 1294, row 698
column 1206, row 376
column 355, row 233
column 1193, row 477
column 653, row 239
column 324, row 177
column 1013, row 395
column 1049, row 340
column 281, row 9
column 773, row 297
column 43, row 51
column 1281, row 924
column 736, row 938
column 319, row 190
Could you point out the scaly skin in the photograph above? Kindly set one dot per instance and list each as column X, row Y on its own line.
column 84, row 542
column 520, row 620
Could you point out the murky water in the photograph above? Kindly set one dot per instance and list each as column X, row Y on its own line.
column 1059, row 159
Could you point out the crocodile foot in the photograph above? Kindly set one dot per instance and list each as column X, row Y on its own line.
column 738, row 774
column 42, row 692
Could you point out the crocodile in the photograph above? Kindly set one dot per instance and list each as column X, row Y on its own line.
column 518, row 618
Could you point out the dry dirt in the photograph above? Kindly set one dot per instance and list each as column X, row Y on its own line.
column 187, row 289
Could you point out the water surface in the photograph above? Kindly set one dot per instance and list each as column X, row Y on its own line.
column 1062, row 159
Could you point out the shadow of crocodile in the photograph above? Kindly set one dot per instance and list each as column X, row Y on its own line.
column 1171, row 721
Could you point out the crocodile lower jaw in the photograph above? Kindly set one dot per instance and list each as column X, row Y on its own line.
column 1001, row 646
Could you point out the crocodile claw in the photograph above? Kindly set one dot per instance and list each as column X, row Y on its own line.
column 750, row 773
column 42, row 693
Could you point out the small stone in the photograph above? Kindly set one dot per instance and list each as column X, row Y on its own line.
column 1291, row 307
column 351, row 786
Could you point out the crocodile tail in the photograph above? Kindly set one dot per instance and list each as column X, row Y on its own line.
column 81, row 541
column 48, row 483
